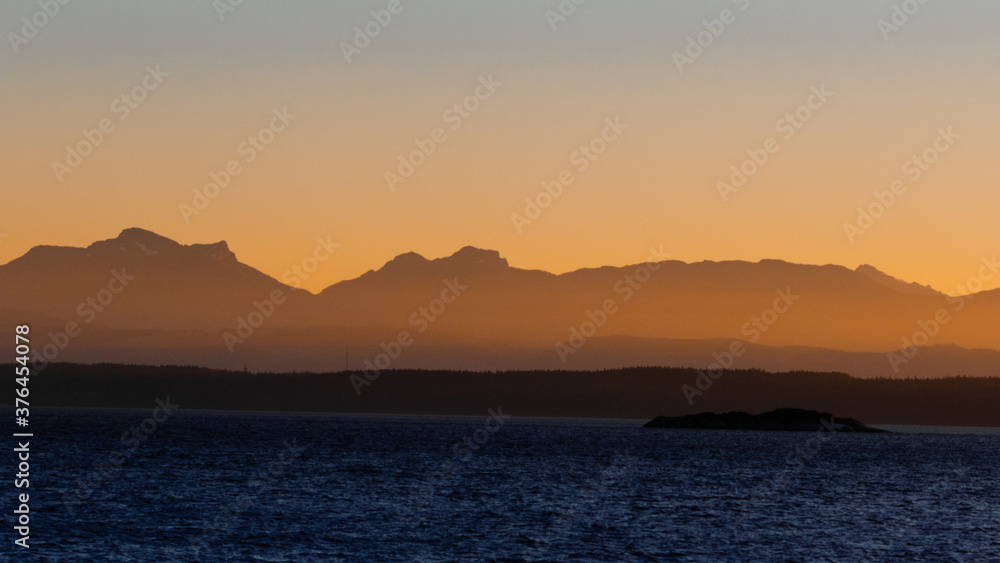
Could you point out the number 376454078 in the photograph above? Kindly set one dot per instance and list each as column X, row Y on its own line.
column 22, row 351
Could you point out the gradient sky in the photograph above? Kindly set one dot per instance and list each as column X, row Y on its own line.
column 323, row 176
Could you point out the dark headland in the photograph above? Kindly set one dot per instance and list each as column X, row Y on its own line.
column 797, row 420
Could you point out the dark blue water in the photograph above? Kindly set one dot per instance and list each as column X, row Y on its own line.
column 226, row 487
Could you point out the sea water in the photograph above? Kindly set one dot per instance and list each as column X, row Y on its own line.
column 309, row 487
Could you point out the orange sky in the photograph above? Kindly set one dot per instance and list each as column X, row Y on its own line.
column 656, row 185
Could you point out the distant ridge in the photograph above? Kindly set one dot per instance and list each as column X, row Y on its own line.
column 793, row 315
column 631, row 393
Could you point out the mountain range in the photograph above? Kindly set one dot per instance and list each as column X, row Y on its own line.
column 143, row 298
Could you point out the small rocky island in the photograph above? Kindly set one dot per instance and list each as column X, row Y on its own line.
column 798, row 420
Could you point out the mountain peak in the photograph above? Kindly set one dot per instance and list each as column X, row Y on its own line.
column 135, row 241
column 467, row 257
column 411, row 263
column 409, row 257
column 405, row 261
column 869, row 270
column 216, row 251
column 135, row 234
column 472, row 256
column 873, row 273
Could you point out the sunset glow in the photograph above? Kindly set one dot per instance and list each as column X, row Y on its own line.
column 324, row 173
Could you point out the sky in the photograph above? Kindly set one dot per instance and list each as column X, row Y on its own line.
column 643, row 108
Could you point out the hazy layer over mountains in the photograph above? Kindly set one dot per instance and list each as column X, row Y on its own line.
column 143, row 298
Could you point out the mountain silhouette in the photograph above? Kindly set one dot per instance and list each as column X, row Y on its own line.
column 181, row 300
column 170, row 286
